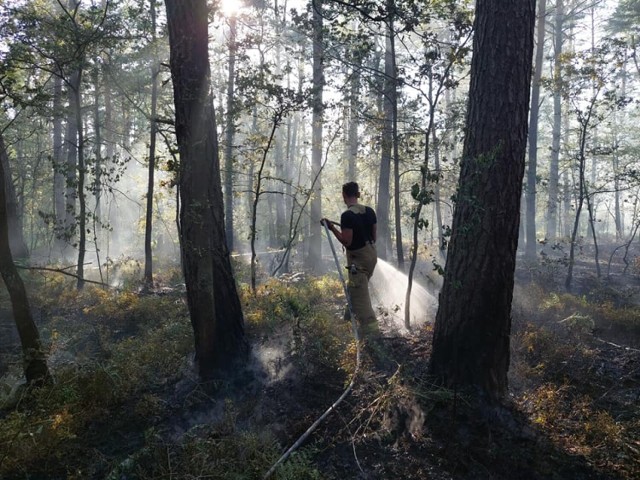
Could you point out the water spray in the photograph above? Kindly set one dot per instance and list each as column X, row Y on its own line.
column 315, row 424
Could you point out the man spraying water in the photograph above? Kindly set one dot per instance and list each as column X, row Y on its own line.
column 358, row 234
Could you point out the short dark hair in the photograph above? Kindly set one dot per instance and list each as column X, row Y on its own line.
column 351, row 189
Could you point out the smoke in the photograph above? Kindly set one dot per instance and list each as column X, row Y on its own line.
column 388, row 288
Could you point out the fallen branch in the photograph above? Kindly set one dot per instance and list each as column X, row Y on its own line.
column 64, row 272
column 618, row 346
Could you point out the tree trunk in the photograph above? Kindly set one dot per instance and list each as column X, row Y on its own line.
column 97, row 127
column 594, row 236
column 148, row 228
column 567, row 189
column 252, row 163
column 14, row 219
column 71, row 141
column 253, row 227
column 35, row 364
column 552, row 205
column 583, row 195
column 354, row 102
column 384, row 201
column 279, row 148
column 531, row 240
column 97, row 180
column 82, row 172
column 396, row 154
column 230, row 135
column 436, row 190
column 619, row 217
column 58, row 163
column 212, row 297
column 473, row 323
column 314, row 259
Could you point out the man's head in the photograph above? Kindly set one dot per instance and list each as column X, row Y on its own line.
column 350, row 190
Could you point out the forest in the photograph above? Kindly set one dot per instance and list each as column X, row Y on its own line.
column 173, row 304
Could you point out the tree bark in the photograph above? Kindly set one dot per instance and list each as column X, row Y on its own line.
column 14, row 221
column 230, row 135
column 314, row 259
column 82, row 173
column 35, row 363
column 396, row 153
column 148, row 228
column 386, row 147
column 531, row 240
column 554, row 167
column 58, row 162
column 473, row 323
column 354, row 102
column 71, row 168
column 212, row 297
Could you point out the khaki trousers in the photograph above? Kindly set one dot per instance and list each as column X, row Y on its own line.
column 365, row 260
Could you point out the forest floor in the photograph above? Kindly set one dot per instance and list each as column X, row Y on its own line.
column 126, row 403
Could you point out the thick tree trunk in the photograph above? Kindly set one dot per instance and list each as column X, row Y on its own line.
column 473, row 324
column 314, row 259
column 35, row 364
column 212, row 297
column 531, row 240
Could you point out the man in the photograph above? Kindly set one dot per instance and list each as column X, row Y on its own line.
column 358, row 234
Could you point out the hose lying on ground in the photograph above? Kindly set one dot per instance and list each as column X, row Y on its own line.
column 315, row 424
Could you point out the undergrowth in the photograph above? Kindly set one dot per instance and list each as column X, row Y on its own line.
column 126, row 402
column 118, row 358
column 577, row 388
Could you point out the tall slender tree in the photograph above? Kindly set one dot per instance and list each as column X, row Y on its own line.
column 230, row 133
column 473, row 323
column 35, row 363
column 386, row 147
column 315, row 240
column 153, row 124
column 554, row 167
column 532, row 175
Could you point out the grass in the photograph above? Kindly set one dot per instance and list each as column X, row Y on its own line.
column 126, row 402
column 570, row 382
column 118, row 357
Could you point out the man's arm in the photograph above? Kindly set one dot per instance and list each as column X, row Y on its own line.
column 345, row 237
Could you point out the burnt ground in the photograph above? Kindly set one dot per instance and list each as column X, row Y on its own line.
column 572, row 412
column 398, row 424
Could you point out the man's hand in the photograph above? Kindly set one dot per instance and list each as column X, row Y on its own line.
column 328, row 223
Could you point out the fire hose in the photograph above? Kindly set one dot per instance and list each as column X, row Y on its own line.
column 315, row 424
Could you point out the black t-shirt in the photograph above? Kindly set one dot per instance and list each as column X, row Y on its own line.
column 361, row 220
